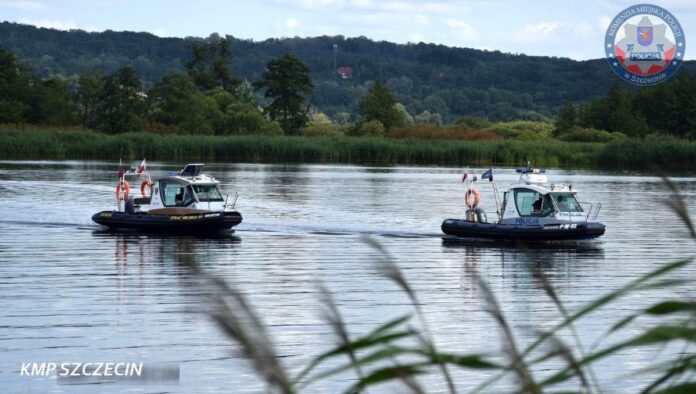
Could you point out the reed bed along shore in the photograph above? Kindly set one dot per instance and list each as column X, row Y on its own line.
column 35, row 143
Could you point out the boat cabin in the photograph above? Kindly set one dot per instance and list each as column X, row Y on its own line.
column 533, row 200
column 185, row 192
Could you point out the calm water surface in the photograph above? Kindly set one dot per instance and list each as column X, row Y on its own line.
column 70, row 292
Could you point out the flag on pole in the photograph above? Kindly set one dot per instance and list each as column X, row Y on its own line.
column 465, row 175
column 488, row 174
column 120, row 170
column 142, row 168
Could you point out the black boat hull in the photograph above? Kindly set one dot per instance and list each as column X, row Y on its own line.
column 549, row 232
column 179, row 224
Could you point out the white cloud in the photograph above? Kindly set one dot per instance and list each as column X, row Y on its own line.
column 416, row 37
column 21, row 5
column 161, row 33
column 311, row 4
column 550, row 31
column 50, row 24
column 422, row 19
column 539, row 30
column 462, row 29
column 363, row 3
column 292, row 23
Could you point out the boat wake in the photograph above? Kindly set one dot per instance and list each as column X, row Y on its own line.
column 251, row 228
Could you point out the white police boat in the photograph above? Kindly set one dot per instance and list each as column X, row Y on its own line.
column 183, row 202
column 531, row 210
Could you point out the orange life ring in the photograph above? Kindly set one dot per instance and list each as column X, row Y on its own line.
column 147, row 184
column 122, row 190
column 472, row 198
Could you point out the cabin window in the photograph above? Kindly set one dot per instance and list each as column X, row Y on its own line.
column 174, row 194
column 209, row 192
column 566, row 202
column 532, row 203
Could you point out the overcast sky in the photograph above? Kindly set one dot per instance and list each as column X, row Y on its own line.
column 563, row 28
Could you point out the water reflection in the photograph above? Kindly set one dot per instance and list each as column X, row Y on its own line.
column 74, row 293
column 523, row 266
column 166, row 252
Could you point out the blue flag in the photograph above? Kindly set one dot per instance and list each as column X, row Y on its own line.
column 488, row 174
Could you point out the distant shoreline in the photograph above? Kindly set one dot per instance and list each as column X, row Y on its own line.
column 630, row 154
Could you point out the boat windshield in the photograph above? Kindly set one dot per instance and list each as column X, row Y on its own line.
column 209, row 192
column 566, row 202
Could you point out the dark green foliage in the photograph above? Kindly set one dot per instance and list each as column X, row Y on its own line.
column 15, row 89
column 473, row 122
column 209, row 66
column 380, row 105
column 370, row 128
column 24, row 99
column 51, row 104
column 499, row 86
column 286, row 83
column 87, row 97
column 649, row 154
column 120, row 105
column 670, row 107
column 175, row 100
column 566, row 119
column 579, row 134
column 615, row 113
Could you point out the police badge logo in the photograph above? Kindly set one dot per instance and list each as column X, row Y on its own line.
column 645, row 44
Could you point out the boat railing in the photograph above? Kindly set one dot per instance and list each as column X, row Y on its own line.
column 593, row 210
column 234, row 201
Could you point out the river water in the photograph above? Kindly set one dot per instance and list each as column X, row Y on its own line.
column 71, row 292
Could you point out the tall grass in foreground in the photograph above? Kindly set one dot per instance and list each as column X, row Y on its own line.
column 396, row 351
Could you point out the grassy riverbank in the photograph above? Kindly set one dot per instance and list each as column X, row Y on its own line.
column 627, row 154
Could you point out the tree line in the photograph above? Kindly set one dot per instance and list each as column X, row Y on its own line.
column 207, row 99
column 434, row 83
column 667, row 108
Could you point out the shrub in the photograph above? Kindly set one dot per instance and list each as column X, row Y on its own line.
column 422, row 131
column 322, row 130
column 372, row 128
column 579, row 134
column 473, row 122
column 523, row 129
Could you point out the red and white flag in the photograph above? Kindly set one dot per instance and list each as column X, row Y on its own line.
column 142, row 168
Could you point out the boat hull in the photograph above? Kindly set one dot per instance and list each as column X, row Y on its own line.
column 548, row 232
column 180, row 224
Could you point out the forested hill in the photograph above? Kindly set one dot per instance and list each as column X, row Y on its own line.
column 425, row 77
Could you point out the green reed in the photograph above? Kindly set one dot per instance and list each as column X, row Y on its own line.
column 400, row 351
column 36, row 143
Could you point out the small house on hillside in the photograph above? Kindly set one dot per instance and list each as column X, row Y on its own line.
column 345, row 72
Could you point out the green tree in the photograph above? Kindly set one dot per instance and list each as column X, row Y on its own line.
column 52, row 103
column 670, row 107
column 287, row 83
column 380, row 104
column 209, row 66
column 567, row 118
column 121, row 106
column 15, row 89
column 615, row 112
column 239, row 115
column 88, row 96
column 176, row 101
